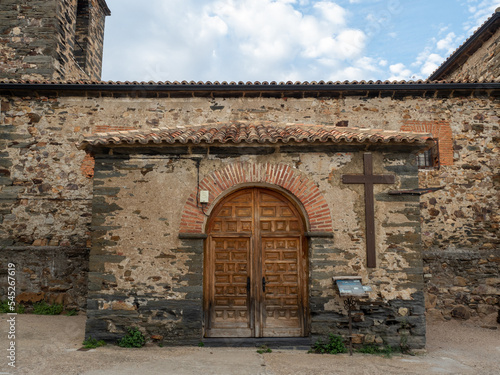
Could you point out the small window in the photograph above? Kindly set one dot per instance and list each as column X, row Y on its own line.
column 429, row 159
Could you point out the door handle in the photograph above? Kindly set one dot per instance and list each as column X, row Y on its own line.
column 248, row 285
column 263, row 284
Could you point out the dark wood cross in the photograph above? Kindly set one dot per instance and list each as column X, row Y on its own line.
column 369, row 179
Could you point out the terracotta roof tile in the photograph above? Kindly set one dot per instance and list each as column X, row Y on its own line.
column 255, row 132
column 232, row 84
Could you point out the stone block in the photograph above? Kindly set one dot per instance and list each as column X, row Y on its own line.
column 484, row 309
column 460, row 281
column 430, row 300
column 461, row 312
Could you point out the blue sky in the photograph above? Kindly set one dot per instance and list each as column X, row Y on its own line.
column 285, row 40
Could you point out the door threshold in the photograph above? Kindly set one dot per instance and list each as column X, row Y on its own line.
column 300, row 343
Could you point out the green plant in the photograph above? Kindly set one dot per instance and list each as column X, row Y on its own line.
column 403, row 338
column 71, row 312
column 201, row 344
column 91, row 343
column 133, row 339
column 385, row 351
column 43, row 308
column 333, row 345
column 6, row 308
column 264, row 349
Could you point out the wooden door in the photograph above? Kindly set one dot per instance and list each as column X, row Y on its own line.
column 255, row 267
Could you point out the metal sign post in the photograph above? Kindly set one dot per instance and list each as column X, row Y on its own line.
column 351, row 287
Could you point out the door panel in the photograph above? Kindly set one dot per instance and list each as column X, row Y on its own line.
column 255, row 267
column 282, row 312
column 230, row 305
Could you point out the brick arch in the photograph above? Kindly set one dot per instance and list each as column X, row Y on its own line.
column 284, row 176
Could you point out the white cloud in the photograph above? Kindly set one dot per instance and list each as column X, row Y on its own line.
column 437, row 50
column 432, row 62
column 399, row 72
column 331, row 12
column 448, row 43
column 258, row 40
column 238, row 40
column 480, row 11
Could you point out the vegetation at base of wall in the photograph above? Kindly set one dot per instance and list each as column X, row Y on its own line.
column 264, row 349
column 385, row 351
column 40, row 308
column 43, row 308
column 91, row 343
column 133, row 339
column 333, row 345
column 5, row 308
column 403, row 338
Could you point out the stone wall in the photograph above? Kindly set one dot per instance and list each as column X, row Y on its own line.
column 28, row 41
column 40, row 160
column 51, row 273
column 91, row 15
column 482, row 66
column 142, row 273
column 463, row 284
column 46, row 183
column 37, row 40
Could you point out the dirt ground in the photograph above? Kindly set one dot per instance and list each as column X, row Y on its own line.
column 49, row 345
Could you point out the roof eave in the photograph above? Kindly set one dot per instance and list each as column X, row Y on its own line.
column 208, row 87
column 90, row 147
column 470, row 46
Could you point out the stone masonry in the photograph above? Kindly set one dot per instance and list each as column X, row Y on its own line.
column 144, row 273
column 44, row 39
column 42, row 171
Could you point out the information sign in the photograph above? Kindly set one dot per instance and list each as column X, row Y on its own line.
column 352, row 287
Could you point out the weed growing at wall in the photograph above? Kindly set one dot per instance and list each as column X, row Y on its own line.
column 133, row 339
column 93, row 343
column 385, row 351
column 43, row 308
column 5, row 308
column 264, row 349
column 333, row 345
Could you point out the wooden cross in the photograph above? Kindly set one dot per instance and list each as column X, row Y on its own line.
column 369, row 179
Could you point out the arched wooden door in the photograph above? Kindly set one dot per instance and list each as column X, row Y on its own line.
column 255, row 267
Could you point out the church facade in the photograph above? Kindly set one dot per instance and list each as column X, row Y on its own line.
column 205, row 210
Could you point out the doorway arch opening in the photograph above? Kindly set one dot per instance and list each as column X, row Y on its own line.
column 256, row 267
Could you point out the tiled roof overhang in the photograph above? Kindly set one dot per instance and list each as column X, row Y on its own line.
column 247, row 89
column 258, row 133
column 467, row 49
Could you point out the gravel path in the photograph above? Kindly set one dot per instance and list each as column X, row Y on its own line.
column 48, row 345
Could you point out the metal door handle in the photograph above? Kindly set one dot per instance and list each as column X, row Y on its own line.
column 263, row 284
